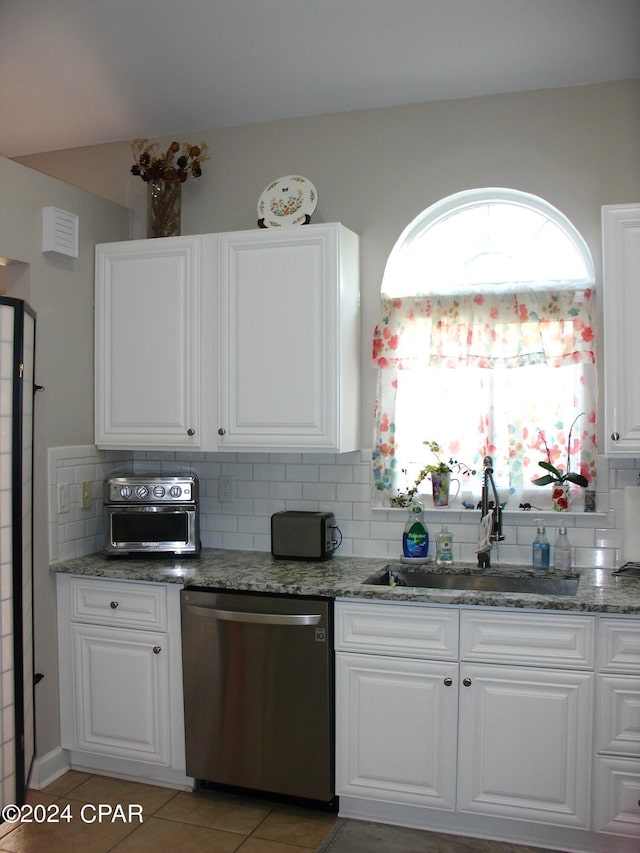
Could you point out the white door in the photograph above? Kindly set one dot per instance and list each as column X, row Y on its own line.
column 621, row 301
column 121, row 693
column 147, row 328
column 281, row 339
column 396, row 730
column 525, row 743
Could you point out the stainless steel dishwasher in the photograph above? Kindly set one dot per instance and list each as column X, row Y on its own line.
column 258, row 693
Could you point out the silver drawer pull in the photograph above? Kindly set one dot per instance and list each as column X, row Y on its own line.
column 113, row 605
column 157, row 650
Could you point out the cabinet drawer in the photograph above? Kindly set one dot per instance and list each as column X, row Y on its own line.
column 396, row 629
column 619, row 644
column 528, row 639
column 106, row 602
column 618, row 718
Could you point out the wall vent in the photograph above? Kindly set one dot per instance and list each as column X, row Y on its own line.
column 59, row 231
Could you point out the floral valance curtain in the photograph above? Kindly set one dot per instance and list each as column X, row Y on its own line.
column 480, row 329
column 486, row 329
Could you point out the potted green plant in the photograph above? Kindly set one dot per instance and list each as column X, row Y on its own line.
column 560, row 493
column 440, row 474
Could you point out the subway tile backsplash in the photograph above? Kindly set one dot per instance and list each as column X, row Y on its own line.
column 270, row 482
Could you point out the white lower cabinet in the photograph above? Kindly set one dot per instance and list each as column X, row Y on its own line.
column 524, row 748
column 617, row 792
column 385, row 749
column 121, row 677
column 480, row 721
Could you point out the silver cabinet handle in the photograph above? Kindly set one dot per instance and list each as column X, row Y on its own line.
column 448, row 682
column 191, row 431
column 157, row 650
column 466, row 682
column 113, row 605
column 222, row 431
column 615, row 436
column 255, row 618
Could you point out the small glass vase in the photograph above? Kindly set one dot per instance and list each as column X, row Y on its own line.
column 560, row 496
column 164, row 204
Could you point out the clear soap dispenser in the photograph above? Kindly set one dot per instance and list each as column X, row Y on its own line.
column 541, row 548
column 562, row 551
column 444, row 547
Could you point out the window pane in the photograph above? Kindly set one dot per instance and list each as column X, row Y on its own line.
column 502, row 413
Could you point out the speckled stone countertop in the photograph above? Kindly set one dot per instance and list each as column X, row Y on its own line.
column 342, row 577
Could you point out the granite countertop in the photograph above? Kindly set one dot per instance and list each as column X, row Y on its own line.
column 342, row 577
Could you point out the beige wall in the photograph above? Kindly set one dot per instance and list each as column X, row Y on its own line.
column 60, row 290
column 375, row 170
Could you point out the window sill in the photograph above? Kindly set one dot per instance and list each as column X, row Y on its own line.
column 464, row 514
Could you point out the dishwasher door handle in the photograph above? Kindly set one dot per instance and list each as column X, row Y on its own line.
column 255, row 618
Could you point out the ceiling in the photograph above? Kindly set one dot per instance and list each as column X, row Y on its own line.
column 76, row 73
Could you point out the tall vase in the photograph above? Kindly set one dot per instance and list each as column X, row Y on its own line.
column 164, row 202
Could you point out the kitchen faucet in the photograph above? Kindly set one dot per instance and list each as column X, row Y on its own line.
column 495, row 528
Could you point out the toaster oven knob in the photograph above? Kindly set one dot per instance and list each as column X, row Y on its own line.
column 158, row 491
column 175, row 491
column 142, row 492
column 125, row 491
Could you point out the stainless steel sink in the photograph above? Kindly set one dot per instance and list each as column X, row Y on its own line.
column 477, row 582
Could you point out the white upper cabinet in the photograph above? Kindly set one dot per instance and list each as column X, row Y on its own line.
column 621, row 288
column 247, row 341
column 289, row 339
column 147, row 340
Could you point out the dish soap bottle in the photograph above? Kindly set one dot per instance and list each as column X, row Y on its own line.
column 415, row 539
column 444, row 547
column 541, row 548
column 562, row 551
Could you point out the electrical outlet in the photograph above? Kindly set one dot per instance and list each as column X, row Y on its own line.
column 63, row 498
column 225, row 488
column 86, row 492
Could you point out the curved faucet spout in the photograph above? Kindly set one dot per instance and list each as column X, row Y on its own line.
column 495, row 535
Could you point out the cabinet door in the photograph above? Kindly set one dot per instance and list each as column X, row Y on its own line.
column 289, row 339
column 147, row 329
column 621, row 264
column 396, row 730
column 525, row 743
column 617, row 797
column 121, row 693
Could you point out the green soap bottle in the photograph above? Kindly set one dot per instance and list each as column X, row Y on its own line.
column 415, row 539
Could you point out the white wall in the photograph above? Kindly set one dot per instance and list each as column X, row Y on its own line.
column 60, row 290
column 375, row 170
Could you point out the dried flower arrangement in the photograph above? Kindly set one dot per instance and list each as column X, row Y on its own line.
column 152, row 166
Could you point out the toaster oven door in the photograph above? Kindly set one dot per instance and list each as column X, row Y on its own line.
column 169, row 528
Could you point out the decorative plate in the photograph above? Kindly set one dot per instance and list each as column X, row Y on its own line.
column 288, row 201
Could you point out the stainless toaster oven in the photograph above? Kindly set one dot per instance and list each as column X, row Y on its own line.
column 155, row 514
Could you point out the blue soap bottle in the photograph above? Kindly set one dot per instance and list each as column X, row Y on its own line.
column 541, row 548
column 415, row 539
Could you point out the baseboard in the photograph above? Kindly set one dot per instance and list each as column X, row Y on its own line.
column 47, row 768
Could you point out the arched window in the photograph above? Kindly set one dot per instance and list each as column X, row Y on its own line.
column 481, row 283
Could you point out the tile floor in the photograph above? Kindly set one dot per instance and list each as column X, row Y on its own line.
column 180, row 822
